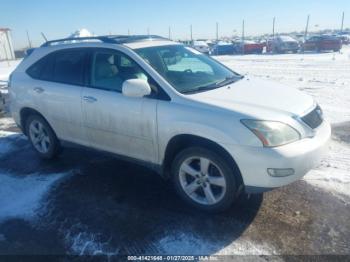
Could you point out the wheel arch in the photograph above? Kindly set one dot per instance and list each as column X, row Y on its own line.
column 180, row 142
column 25, row 113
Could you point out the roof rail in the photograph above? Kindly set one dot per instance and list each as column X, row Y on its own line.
column 112, row 39
column 104, row 39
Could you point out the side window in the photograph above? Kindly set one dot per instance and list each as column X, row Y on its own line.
column 37, row 68
column 69, row 67
column 63, row 66
column 111, row 68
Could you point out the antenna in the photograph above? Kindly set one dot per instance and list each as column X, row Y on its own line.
column 43, row 35
column 29, row 42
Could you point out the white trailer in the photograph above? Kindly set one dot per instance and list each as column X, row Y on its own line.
column 6, row 47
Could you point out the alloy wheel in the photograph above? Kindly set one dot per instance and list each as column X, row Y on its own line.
column 202, row 180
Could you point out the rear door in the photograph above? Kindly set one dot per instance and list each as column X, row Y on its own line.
column 113, row 122
column 58, row 90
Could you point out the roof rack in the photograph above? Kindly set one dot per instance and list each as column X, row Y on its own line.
column 112, row 39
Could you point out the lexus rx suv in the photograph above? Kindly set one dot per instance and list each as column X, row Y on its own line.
column 212, row 131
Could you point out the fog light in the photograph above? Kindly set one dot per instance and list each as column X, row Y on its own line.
column 280, row 172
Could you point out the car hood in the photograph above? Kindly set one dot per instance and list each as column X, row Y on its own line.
column 252, row 96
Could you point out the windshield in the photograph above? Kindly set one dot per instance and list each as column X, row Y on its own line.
column 186, row 69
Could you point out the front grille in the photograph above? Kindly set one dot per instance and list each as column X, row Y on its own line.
column 314, row 118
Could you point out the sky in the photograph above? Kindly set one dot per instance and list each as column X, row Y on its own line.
column 60, row 18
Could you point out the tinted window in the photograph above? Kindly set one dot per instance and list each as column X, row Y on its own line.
column 47, row 71
column 62, row 66
column 110, row 69
column 69, row 67
column 36, row 69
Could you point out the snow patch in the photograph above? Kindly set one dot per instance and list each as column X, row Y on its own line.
column 180, row 243
column 7, row 124
column 81, row 242
column 21, row 197
column 333, row 174
column 6, row 68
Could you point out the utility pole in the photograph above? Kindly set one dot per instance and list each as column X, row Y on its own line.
column 307, row 26
column 29, row 42
column 169, row 32
column 191, row 35
column 273, row 27
column 148, row 31
column 243, row 37
column 217, row 31
column 342, row 23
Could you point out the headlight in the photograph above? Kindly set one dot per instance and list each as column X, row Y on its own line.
column 272, row 133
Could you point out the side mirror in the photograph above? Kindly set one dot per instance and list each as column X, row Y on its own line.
column 136, row 88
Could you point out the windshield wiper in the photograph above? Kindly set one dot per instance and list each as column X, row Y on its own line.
column 226, row 81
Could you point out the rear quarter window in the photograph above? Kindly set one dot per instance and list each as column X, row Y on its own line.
column 65, row 66
column 35, row 70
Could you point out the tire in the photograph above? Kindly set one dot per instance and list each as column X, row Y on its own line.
column 218, row 178
column 42, row 137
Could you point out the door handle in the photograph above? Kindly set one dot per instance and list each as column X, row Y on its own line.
column 39, row 90
column 89, row 99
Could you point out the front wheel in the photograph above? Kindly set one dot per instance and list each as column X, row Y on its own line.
column 42, row 137
column 204, row 179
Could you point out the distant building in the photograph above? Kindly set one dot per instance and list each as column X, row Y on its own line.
column 6, row 47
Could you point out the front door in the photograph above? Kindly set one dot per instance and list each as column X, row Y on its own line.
column 112, row 121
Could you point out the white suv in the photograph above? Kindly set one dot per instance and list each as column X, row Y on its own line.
column 212, row 131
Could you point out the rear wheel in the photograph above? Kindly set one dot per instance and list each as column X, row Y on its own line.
column 42, row 137
column 204, row 179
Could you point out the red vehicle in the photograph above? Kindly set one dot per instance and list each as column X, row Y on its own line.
column 250, row 47
column 322, row 43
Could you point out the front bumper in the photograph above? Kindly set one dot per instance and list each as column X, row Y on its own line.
column 301, row 156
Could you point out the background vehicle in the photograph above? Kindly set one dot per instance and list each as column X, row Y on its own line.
column 249, row 47
column 222, row 48
column 213, row 132
column 345, row 39
column 201, row 46
column 322, row 43
column 282, row 44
